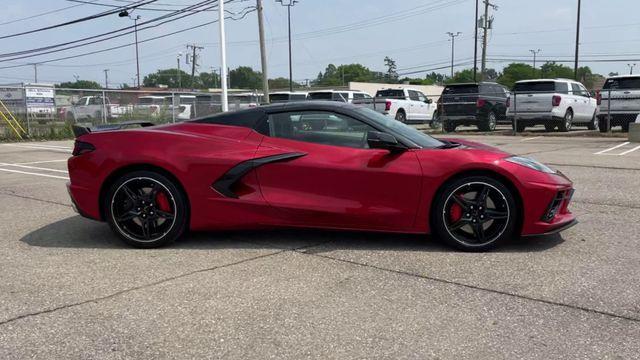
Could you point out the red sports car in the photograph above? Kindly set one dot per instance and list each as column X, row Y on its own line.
column 310, row 164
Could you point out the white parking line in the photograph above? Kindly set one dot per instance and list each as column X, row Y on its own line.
column 33, row 167
column 531, row 138
column 41, row 162
column 40, row 147
column 612, row 148
column 630, row 151
column 36, row 174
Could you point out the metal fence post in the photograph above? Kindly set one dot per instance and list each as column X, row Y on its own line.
column 173, row 107
column 609, row 112
column 104, row 107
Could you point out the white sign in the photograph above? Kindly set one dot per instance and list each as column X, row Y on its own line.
column 39, row 92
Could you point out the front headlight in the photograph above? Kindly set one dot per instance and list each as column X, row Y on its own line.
column 530, row 163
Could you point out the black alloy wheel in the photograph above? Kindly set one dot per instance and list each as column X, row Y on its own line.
column 475, row 214
column 146, row 209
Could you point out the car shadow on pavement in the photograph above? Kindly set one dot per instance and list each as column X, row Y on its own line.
column 78, row 232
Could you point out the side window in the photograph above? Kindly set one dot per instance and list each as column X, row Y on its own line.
column 95, row 101
column 562, row 88
column 576, row 89
column 584, row 90
column 413, row 95
column 421, row 96
column 319, row 127
column 341, row 96
column 367, row 96
column 358, row 96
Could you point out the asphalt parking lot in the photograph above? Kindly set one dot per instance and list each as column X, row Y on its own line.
column 70, row 289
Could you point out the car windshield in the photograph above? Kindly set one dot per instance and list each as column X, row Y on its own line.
column 320, row 96
column 460, row 89
column 535, row 86
column 390, row 93
column 417, row 137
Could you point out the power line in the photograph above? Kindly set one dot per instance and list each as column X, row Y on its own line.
column 242, row 16
column 43, row 14
column 87, row 18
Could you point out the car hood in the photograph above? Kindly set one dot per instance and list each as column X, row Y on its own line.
column 476, row 145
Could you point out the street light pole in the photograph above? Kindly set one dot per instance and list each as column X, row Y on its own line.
column 125, row 13
column 534, row 52
column 475, row 45
column 223, row 58
column 631, row 66
column 575, row 66
column 179, row 72
column 289, row 4
column 453, row 43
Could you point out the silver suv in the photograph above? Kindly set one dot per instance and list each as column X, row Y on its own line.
column 620, row 99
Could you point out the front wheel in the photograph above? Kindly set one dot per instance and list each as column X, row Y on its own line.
column 475, row 213
column 593, row 124
column 435, row 121
column 146, row 209
column 489, row 124
column 449, row 126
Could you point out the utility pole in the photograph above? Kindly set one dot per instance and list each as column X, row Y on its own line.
column 534, row 52
column 126, row 13
column 263, row 53
column 223, row 58
column 486, row 25
column 631, row 66
column 475, row 45
column 179, row 71
column 289, row 4
column 35, row 72
column 575, row 66
column 194, row 60
column 453, row 44
column 106, row 78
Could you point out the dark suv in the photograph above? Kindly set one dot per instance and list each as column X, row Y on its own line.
column 481, row 104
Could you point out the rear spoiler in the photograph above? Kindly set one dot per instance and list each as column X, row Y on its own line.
column 82, row 130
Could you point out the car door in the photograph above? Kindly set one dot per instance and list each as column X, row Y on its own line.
column 339, row 181
column 578, row 103
column 414, row 106
column 590, row 103
column 426, row 110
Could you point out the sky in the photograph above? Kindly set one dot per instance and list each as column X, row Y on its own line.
column 412, row 32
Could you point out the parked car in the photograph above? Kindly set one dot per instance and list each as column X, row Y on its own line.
column 244, row 100
column 623, row 92
column 92, row 107
column 264, row 167
column 184, row 108
column 152, row 105
column 347, row 96
column 554, row 103
column 287, row 96
column 404, row 105
column 482, row 104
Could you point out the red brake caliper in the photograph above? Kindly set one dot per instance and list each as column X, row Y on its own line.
column 163, row 202
column 455, row 212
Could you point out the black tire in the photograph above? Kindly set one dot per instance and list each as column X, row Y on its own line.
column 401, row 116
column 594, row 123
column 133, row 200
column 566, row 122
column 496, row 216
column 625, row 127
column 519, row 128
column 435, row 123
column 550, row 127
column 488, row 124
column 602, row 124
column 449, row 126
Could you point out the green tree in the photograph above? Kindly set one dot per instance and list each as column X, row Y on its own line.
column 169, row 77
column 244, row 77
column 79, row 84
column 553, row 70
column 208, row 80
column 343, row 74
column 516, row 72
column 392, row 73
column 463, row 76
column 280, row 83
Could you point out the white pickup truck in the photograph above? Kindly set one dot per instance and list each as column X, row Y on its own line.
column 92, row 107
column 405, row 105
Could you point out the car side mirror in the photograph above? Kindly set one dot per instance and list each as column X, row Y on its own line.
column 428, row 101
column 380, row 140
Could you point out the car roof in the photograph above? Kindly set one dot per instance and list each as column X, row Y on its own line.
column 547, row 80
column 623, row 76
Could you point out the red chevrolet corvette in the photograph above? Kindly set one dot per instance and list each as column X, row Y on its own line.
column 310, row 164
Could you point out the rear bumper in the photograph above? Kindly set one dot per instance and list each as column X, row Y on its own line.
column 83, row 201
column 460, row 118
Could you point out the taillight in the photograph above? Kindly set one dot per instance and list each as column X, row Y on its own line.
column 555, row 100
column 480, row 103
column 387, row 105
column 599, row 97
column 81, row 147
column 509, row 101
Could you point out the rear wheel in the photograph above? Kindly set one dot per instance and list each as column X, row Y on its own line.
column 489, row 124
column 475, row 213
column 567, row 121
column 519, row 127
column 602, row 124
column 401, row 116
column 625, row 127
column 146, row 209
